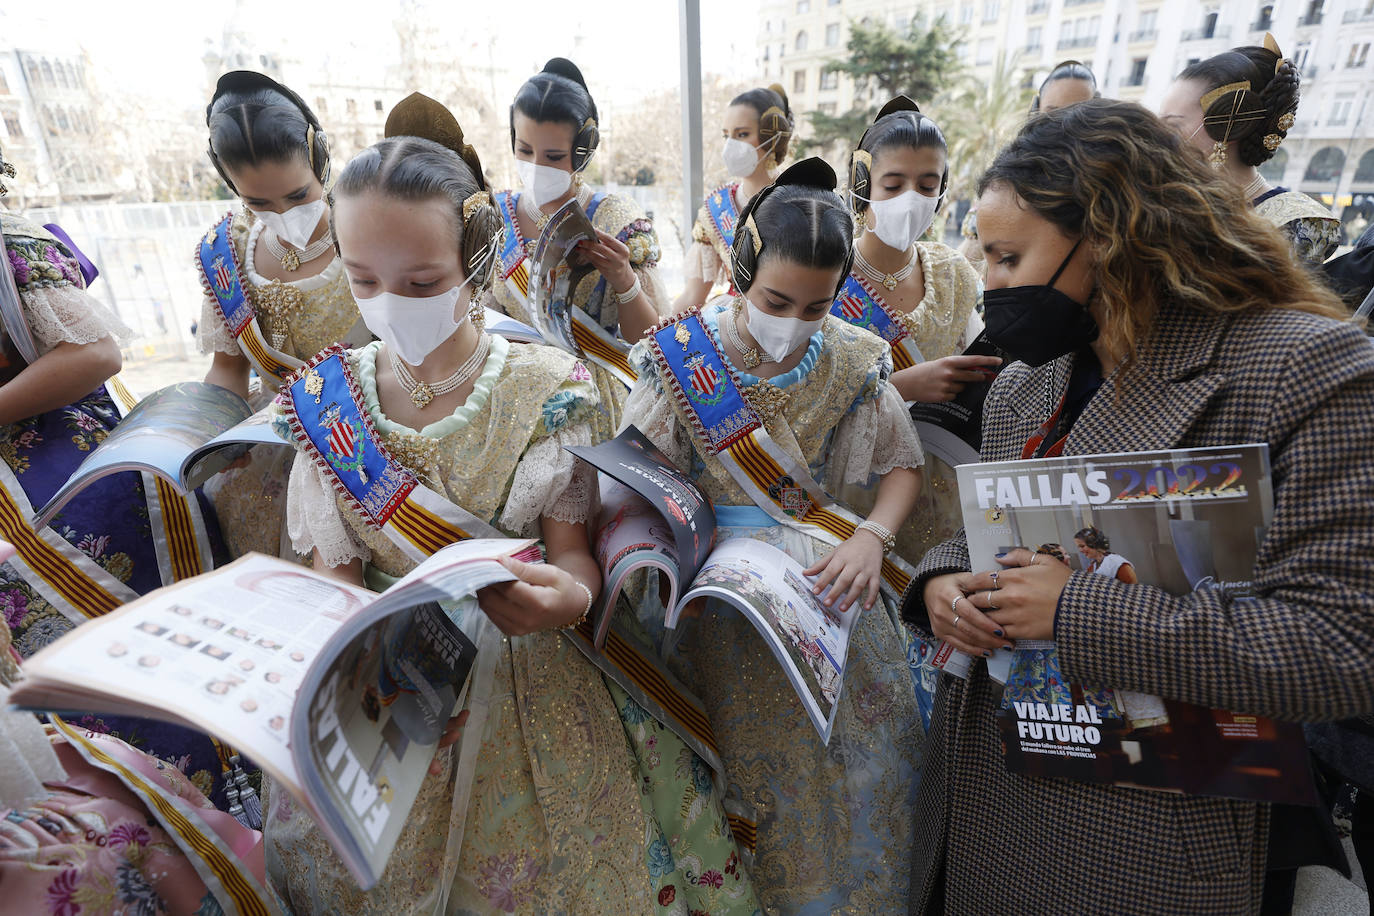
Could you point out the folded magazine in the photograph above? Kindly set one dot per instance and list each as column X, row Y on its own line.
column 339, row 694
column 1182, row 520
column 654, row 517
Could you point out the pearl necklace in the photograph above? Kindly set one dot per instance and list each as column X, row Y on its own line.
column 1255, row 187
column 747, row 354
column 293, row 258
column 421, row 393
column 888, row 280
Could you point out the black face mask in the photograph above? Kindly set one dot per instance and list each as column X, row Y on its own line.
column 1036, row 324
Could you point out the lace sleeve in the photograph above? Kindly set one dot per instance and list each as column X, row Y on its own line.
column 550, row 482
column 313, row 520
column 654, row 289
column 69, row 314
column 649, row 411
column 212, row 334
column 702, row 262
column 872, row 439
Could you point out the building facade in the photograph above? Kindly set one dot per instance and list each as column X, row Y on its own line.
column 1135, row 47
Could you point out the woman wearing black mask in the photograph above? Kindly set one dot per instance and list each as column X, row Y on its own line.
column 1151, row 308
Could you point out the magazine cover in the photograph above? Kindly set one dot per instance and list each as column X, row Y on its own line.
column 552, row 278
column 1183, row 520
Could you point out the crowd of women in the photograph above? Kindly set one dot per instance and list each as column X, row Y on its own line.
column 1149, row 288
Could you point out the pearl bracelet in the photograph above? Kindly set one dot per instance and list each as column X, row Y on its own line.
column 631, row 294
column 585, row 611
column 888, row 539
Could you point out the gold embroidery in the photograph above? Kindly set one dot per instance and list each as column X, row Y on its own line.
column 277, row 305
column 767, row 399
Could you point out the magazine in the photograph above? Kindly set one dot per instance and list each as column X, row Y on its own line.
column 553, row 278
column 505, row 326
column 654, row 517
column 1182, row 520
column 339, row 694
column 185, row 433
column 954, row 428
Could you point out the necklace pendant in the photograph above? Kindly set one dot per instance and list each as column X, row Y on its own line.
column 291, row 260
column 421, row 395
column 277, row 334
column 890, row 282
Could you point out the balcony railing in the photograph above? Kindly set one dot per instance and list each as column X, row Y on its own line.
column 1144, row 35
column 1204, row 34
column 1085, row 41
column 1080, row 2
column 1037, row 7
column 1311, row 19
column 1134, row 81
column 1261, row 25
column 1032, row 49
column 1357, row 16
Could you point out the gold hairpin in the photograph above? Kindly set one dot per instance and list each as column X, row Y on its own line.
column 753, row 228
column 478, row 199
column 1207, row 100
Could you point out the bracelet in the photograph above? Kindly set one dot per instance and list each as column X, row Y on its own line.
column 585, row 611
column 887, row 537
column 631, row 294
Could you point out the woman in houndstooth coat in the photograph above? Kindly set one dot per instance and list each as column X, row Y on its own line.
column 1156, row 311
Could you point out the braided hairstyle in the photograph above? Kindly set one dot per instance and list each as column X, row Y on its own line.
column 899, row 124
column 252, row 118
column 424, row 156
column 558, row 93
column 798, row 218
column 1256, row 115
column 776, row 122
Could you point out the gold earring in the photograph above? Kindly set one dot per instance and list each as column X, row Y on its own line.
column 770, row 163
column 478, row 314
column 577, row 181
column 1217, row 157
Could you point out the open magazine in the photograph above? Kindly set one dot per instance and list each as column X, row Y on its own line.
column 1182, row 520
column 654, row 517
column 954, row 428
column 553, row 279
column 184, row 433
column 339, row 694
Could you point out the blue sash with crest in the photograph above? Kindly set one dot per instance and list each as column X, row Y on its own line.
column 721, row 207
column 860, row 305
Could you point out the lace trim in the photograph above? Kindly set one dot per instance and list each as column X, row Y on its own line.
column 313, row 520
column 212, row 334
column 69, row 314
column 702, row 262
column 549, row 481
column 872, row 440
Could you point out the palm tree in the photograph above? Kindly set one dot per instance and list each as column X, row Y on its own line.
column 978, row 118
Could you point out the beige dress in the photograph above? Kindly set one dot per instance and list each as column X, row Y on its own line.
column 299, row 318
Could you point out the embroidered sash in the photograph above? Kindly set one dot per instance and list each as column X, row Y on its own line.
column 180, row 540
column 224, row 282
column 324, row 406
column 591, row 342
column 725, row 425
column 721, row 208
column 859, row 304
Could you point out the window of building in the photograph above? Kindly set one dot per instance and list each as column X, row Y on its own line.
column 827, row 108
column 13, row 128
column 1137, row 77
column 767, row 53
column 961, row 51
column 1209, row 25
column 830, row 79
column 4, row 84
column 1265, row 19
column 1033, row 38
column 799, row 81
column 1359, row 54
column 321, row 105
column 987, row 49
column 832, row 35
column 351, row 106
column 31, row 65
column 800, row 43
column 1314, row 13
column 377, row 105
column 62, row 76
column 901, row 23
column 63, row 122
column 1340, row 112
column 965, row 13
column 803, row 6
column 47, row 74
column 834, row 3
column 991, row 10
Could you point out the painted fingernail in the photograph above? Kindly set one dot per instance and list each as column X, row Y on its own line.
column 987, row 654
column 1007, row 645
column 996, row 632
column 1001, row 555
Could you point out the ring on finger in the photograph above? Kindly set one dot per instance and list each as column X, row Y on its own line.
column 994, row 579
column 957, row 618
column 954, row 605
column 991, row 605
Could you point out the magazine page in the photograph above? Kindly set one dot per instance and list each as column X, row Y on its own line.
column 507, row 327
column 553, row 278
column 225, row 653
column 632, row 460
column 808, row 639
column 631, row 534
column 381, row 692
column 156, row 436
column 1182, row 520
column 226, row 448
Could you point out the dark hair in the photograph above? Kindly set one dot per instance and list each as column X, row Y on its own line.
column 1094, row 539
column 252, row 118
column 799, row 218
column 415, row 169
column 1248, row 116
column 899, row 124
column 558, row 93
column 1163, row 226
column 775, row 117
column 1066, row 70
column 1052, row 549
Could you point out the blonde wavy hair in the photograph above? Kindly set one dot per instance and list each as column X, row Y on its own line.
column 1165, row 228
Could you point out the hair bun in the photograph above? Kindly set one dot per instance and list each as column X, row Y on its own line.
column 418, row 115
column 809, row 173
column 776, row 89
column 900, row 103
column 245, row 81
column 561, row 66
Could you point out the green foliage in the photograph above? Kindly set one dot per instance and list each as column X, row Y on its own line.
column 978, row 118
column 883, row 63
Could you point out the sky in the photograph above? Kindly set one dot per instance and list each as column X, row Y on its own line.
column 153, row 48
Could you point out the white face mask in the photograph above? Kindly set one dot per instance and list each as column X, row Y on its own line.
column 542, row 182
column 296, row 225
column 413, row 327
column 741, row 158
column 778, row 336
column 899, row 221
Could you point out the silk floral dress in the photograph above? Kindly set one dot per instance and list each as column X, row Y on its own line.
column 834, row 822
column 580, row 801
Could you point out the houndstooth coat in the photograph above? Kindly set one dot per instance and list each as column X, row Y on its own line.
column 1014, row 844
